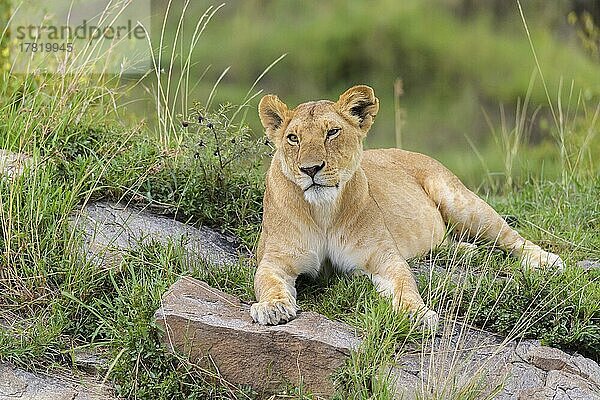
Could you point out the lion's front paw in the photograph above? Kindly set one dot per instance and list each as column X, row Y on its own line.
column 428, row 319
column 541, row 258
column 273, row 312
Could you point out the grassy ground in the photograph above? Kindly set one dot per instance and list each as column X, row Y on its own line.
column 205, row 167
column 52, row 304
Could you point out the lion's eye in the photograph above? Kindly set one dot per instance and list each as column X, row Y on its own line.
column 333, row 132
column 293, row 139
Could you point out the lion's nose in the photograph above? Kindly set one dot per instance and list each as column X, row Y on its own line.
column 312, row 171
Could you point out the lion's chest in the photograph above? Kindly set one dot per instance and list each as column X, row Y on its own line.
column 338, row 245
column 335, row 247
column 343, row 255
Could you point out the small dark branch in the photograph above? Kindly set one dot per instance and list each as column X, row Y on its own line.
column 217, row 144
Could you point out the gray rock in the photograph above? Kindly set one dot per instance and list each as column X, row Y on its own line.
column 589, row 265
column 16, row 384
column 548, row 358
column 560, row 386
column 466, row 360
column 13, row 164
column 90, row 361
column 587, row 368
column 215, row 329
column 457, row 360
column 110, row 228
column 520, row 378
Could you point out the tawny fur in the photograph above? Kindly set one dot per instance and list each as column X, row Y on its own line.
column 372, row 211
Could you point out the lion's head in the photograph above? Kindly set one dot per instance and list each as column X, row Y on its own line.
column 319, row 143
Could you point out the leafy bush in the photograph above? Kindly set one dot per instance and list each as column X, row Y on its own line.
column 215, row 176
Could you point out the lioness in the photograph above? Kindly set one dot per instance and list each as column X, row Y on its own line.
column 365, row 211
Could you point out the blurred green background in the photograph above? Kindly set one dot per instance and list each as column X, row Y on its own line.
column 465, row 68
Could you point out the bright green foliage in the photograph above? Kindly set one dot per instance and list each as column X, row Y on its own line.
column 214, row 176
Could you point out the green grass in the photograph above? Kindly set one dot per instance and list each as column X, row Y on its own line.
column 51, row 302
column 209, row 171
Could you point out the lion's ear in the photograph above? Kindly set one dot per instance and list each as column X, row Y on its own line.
column 272, row 112
column 360, row 102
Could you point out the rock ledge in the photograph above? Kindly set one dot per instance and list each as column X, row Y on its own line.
column 210, row 325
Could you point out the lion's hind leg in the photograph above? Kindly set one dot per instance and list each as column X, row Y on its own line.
column 460, row 246
column 392, row 277
column 470, row 216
